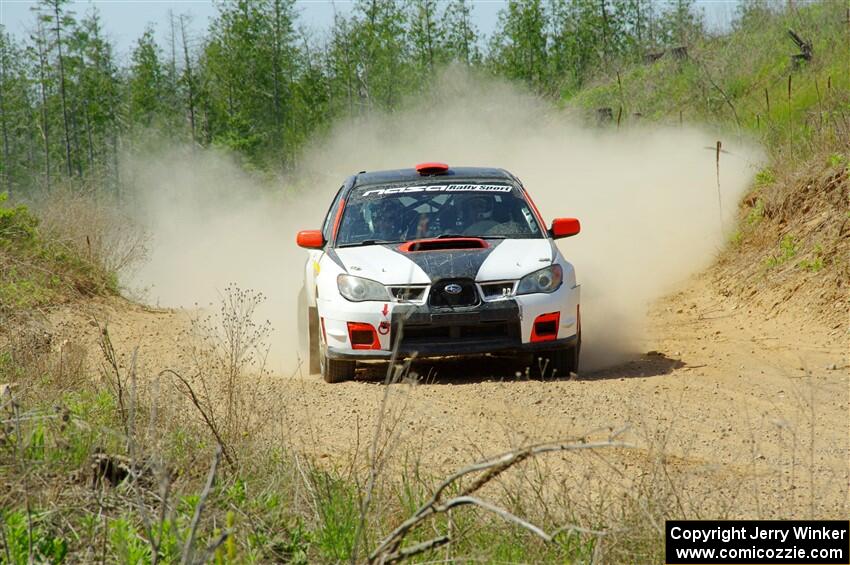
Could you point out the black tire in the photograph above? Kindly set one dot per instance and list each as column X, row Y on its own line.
column 560, row 362
column 337, row 371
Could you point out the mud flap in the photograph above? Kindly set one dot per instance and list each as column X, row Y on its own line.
column 308, row 334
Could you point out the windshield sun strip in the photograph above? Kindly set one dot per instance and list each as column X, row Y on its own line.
column 518, row 192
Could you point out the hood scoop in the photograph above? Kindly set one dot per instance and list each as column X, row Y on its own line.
column 444, row 244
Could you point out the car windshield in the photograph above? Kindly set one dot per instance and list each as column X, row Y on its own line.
column 396, row 213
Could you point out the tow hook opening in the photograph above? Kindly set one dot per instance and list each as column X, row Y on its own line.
column 545, row 327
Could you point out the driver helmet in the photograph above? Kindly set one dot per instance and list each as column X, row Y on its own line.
column 386, row 218
column 477, row 208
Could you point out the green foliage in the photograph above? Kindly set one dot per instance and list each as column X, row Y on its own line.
column 295, row 546
column 147, row 82
column 129, row 546
column 339, row 513
column 837, row 160
column 268, row 520
column 17, row 225
column 787, row 251
column 7, row 367
column 36, row 271
column 715, row 85
column 756, row 213
column 260, row 87
column 128, row 543
column 34, row 448
column 236, row 492
column 765, row 177
column 814, row 264
column 46, row 548
column 737, row 238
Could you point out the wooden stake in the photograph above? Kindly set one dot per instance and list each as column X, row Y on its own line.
column 719, row 201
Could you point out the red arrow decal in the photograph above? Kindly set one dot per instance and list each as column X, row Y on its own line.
column 386, row 309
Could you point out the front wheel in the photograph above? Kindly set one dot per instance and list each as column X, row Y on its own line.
column 560, row 362
column 336, row 370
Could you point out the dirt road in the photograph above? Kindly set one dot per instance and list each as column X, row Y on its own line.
column 754, row 407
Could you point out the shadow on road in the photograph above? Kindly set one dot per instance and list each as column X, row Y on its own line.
column 457, row 371
column 650, row 364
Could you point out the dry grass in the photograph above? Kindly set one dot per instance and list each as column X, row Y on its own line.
column 75, row 247
column 133, row 476
column 121, row 466
column 792, row 249
column 95, row 228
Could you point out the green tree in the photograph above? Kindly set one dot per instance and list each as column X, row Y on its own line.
column 97, row 94
column 342, row 66
column 250, row 63
column 14, row 114
column 681, row 23
column 311, row 106
column 146, row 82
column 38, row 52
column 52, row 13
column 518, row 49
column 381, row 52
column 460, row 34
column 426, row 36
column 188, row 79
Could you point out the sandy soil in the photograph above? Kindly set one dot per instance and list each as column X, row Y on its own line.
column 748, row 409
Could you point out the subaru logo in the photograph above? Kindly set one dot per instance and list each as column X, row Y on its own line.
column 453, row 288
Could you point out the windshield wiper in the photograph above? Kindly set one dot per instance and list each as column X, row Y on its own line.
column 370, row 242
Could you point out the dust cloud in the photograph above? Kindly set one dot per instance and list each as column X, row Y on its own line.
column 646, row 196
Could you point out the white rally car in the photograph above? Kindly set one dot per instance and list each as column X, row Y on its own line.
column 437, row 261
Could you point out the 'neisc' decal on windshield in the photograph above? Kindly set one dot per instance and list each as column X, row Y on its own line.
column 439, row 188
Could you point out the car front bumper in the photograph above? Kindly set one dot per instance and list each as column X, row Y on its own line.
column 447, row 350
column 497, row 327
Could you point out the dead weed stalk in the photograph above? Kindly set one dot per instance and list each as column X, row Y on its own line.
column 390, row 550
column 226, row 348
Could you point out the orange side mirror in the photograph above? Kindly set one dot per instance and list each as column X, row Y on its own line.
column 564, row 227
column 310, row 239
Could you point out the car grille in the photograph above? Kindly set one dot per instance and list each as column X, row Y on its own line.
column 440, row 334
column 467, row 294
column 430, row 331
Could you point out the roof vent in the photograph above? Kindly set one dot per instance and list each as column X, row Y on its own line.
column 425, row 169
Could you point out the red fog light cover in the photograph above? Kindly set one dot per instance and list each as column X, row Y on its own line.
column 363, row 336
column 545, row 327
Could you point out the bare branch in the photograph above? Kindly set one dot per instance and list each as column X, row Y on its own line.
column 211, row 549
column 501, row 512
column 388, row 549
column 112, row 371
column 190, row 541
column 190, row 392
column 409, row 552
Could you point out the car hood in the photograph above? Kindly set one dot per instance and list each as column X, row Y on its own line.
column 502, row 260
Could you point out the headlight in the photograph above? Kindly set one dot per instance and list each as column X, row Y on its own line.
column 544, row 280
column 358, row 289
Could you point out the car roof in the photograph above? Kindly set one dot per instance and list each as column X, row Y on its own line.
column 412, row 175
